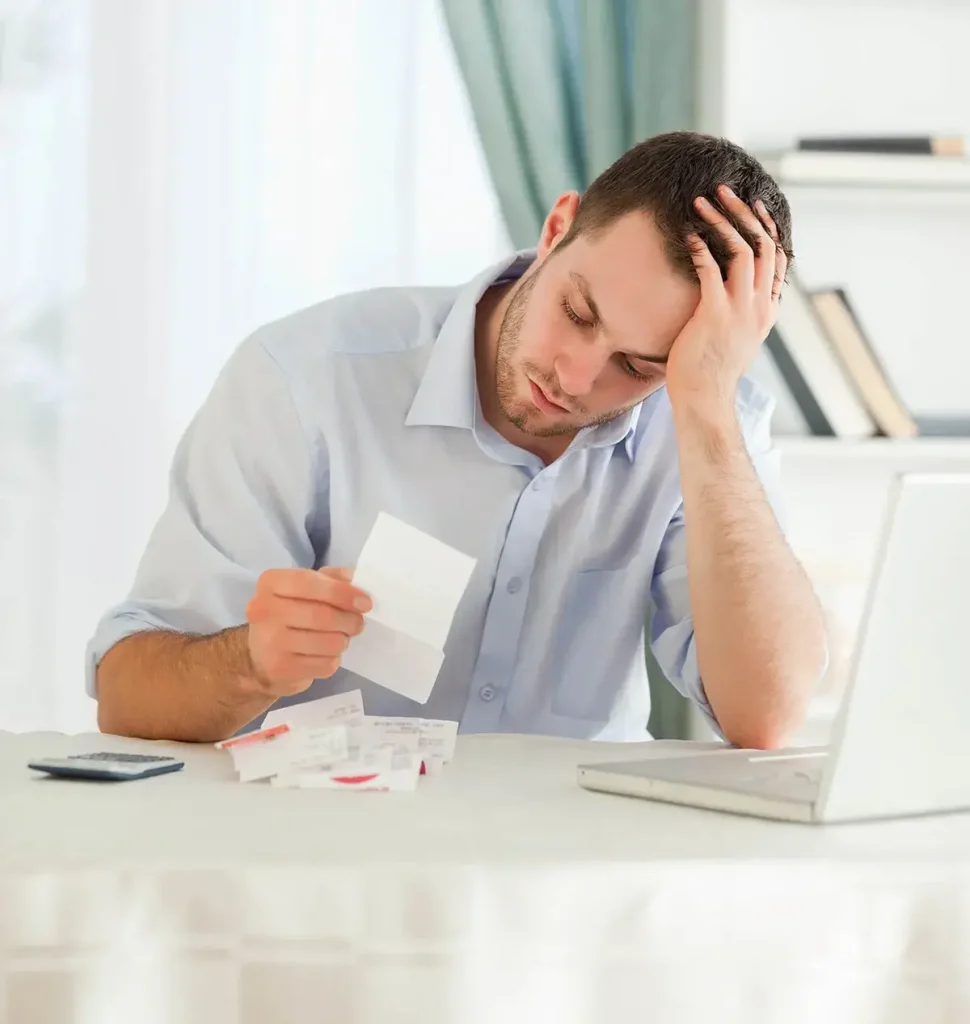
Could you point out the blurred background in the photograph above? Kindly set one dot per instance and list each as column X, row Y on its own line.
column 174, row 173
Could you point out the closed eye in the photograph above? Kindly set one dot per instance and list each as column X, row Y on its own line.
column 625, row 363
column 574, row 316
column 629, row 368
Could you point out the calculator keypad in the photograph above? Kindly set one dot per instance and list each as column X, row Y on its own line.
column 109, row 757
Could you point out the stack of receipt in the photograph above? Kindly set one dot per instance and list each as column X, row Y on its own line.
column 332, row 744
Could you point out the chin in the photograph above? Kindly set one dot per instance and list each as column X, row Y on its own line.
column 523, row 415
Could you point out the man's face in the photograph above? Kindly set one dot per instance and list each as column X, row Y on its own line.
column 587, row 331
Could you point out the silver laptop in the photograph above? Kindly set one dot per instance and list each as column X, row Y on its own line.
column 901, row 741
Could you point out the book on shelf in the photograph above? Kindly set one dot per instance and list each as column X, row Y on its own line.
column 898, row 145
column 828, row 380
column 788, row 420
column 861, row 364
column 955, row 425
column 813, row 376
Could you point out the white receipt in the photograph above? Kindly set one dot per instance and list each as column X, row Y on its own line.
column 402, row 735
column 330, row 743
column 415, row 582
column 308, row 748
column 380, row 769
column 340, row 709
column 431, row 738
column 437, row 742
column 259, row 758
column 288, row 752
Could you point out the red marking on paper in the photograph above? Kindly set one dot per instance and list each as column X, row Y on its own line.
column 252, row 738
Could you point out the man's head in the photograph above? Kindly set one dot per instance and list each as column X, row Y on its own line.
column 587, row 330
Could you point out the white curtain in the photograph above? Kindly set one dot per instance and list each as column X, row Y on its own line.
column 175, row 173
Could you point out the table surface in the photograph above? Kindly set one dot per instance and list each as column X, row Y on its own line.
column 504, row 799
column 499, row 890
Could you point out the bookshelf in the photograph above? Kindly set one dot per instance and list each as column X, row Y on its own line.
column 891, row 230
column 909, row 455
column 797, row 168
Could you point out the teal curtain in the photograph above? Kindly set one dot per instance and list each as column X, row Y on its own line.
column 559, row 90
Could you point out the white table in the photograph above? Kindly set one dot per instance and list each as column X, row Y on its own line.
column 498, row 893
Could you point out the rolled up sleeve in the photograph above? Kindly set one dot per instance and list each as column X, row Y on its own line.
column 248, row 492
column 672, row 625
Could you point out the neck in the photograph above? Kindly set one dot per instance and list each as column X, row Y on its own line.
column 488, row 324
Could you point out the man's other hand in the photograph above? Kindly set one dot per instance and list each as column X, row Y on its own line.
column 300, row 623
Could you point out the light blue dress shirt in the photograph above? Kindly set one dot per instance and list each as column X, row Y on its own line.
column 368, row 403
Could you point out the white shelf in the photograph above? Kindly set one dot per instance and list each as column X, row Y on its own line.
column 811, row 169
column 919, row 449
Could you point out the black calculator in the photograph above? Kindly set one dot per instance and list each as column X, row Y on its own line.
column 107, row 766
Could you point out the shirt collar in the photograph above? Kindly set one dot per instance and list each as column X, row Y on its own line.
column 448, row 393
column 623, row 428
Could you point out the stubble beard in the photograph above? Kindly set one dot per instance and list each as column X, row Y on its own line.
column 518, row 412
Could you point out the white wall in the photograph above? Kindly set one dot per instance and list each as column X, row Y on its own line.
column 864, row 66
column 189, row 170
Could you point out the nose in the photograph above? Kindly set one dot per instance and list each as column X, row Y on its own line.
column 578, row 368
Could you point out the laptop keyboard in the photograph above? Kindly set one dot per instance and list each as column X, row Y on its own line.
column 118, row 758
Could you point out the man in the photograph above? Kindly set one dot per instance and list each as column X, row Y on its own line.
column 577, row 419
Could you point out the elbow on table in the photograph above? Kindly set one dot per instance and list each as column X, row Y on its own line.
column 106, row 722
column 758, row 735
column 766, row 728
column 114, row 716
column 767, row 712
column 109, row 720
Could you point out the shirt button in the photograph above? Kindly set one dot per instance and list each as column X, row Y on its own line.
column 487, row 693
column 514, row 585
column 537, row 484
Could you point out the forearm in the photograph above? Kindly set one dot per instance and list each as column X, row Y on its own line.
column 758, row 628
column 163, row 685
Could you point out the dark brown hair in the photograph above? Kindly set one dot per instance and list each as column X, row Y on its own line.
column 663, row 175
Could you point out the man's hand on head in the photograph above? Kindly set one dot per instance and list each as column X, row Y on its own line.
column 734, row 316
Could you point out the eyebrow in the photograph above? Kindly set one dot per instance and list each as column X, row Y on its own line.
column 583, row 285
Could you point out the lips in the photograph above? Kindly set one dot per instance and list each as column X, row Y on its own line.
column 541, row 400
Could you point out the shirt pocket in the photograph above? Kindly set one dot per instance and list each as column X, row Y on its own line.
column 589, row 662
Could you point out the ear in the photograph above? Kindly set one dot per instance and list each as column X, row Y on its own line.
column 558, row 222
